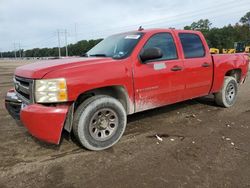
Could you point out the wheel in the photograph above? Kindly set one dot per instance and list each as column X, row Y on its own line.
column 99, row 122
column 227, row 95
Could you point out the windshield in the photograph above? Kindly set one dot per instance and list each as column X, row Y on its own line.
column 116, row 46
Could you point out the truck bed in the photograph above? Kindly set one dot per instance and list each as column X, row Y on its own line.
column 224, row 62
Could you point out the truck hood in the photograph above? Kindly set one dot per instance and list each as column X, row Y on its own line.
column 39, row 69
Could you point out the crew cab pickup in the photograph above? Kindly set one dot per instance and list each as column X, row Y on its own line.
column 123, row 74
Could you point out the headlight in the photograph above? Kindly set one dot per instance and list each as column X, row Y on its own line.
column 51, row 90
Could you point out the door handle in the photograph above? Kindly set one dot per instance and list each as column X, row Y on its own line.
column 205, row 65
column 176, row 68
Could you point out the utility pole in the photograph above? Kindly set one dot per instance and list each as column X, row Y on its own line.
column 15, row 49
column 20, row 55
column 1, row 53
column 59, row 45
column 66, row 43
column 249, row 23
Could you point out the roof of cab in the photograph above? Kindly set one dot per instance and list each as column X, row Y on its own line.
column 159, row 30
column 156, row 30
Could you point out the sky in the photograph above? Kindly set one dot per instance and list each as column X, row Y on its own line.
column 36, row 23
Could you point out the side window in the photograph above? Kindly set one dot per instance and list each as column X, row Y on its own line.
column 192, row 45
column 165, row 42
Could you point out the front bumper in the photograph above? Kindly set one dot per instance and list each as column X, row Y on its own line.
column 43, row 122
column 13, row 104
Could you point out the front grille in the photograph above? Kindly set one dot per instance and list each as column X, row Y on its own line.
column 24, row 89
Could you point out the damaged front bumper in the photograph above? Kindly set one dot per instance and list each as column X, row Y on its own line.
column 43, row 122
column 13, row 104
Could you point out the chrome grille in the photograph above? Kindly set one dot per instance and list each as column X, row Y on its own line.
column 24, row 89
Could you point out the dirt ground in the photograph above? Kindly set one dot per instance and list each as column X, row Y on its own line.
column 203, row 146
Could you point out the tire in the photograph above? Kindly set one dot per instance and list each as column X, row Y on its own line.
column 228, row 93
column 99, row 122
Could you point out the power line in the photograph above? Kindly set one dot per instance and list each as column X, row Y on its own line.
column 220, row 13
column 41, row 41
column 163, row 20
column 201, row 11
column 179, row 23
column 181, row 16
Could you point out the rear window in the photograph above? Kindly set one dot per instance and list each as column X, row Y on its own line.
column 192, row 45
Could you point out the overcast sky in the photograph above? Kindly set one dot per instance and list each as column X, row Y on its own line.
column 34, row 23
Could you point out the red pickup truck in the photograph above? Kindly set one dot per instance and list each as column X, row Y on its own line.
column 124, row 74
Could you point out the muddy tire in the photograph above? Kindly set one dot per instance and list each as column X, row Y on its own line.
column 99, row 122
column 228, row 94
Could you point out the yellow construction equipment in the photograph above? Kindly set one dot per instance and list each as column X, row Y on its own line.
column 228, row 51
column 239, row 47
column 214, row 51
column 247, row 49
column 242, row 46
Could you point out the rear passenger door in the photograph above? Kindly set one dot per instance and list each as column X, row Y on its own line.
column 198, row 66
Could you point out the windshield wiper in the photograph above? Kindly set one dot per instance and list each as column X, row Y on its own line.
column 98, row 55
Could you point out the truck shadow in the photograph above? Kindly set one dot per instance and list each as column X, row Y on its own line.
column 207, row 101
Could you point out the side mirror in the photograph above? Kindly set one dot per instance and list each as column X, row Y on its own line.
column 150, row 54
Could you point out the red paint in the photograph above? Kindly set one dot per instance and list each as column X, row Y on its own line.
column 146, row 87
column 226, row 62
column 45, row 123
column 168, row 85
column 198, row 79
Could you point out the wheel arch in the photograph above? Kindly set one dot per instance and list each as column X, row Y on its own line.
column 118, row 92
column 236, row 73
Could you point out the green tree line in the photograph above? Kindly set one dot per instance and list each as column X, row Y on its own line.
column 226, row 36
column 78, row 49
column 216, row 37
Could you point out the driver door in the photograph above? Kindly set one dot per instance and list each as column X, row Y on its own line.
column 160, row 81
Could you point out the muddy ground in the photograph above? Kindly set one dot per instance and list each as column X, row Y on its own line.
column 203, row 146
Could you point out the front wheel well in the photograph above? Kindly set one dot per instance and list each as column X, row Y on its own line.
column 117, row 92
column 236, row 73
